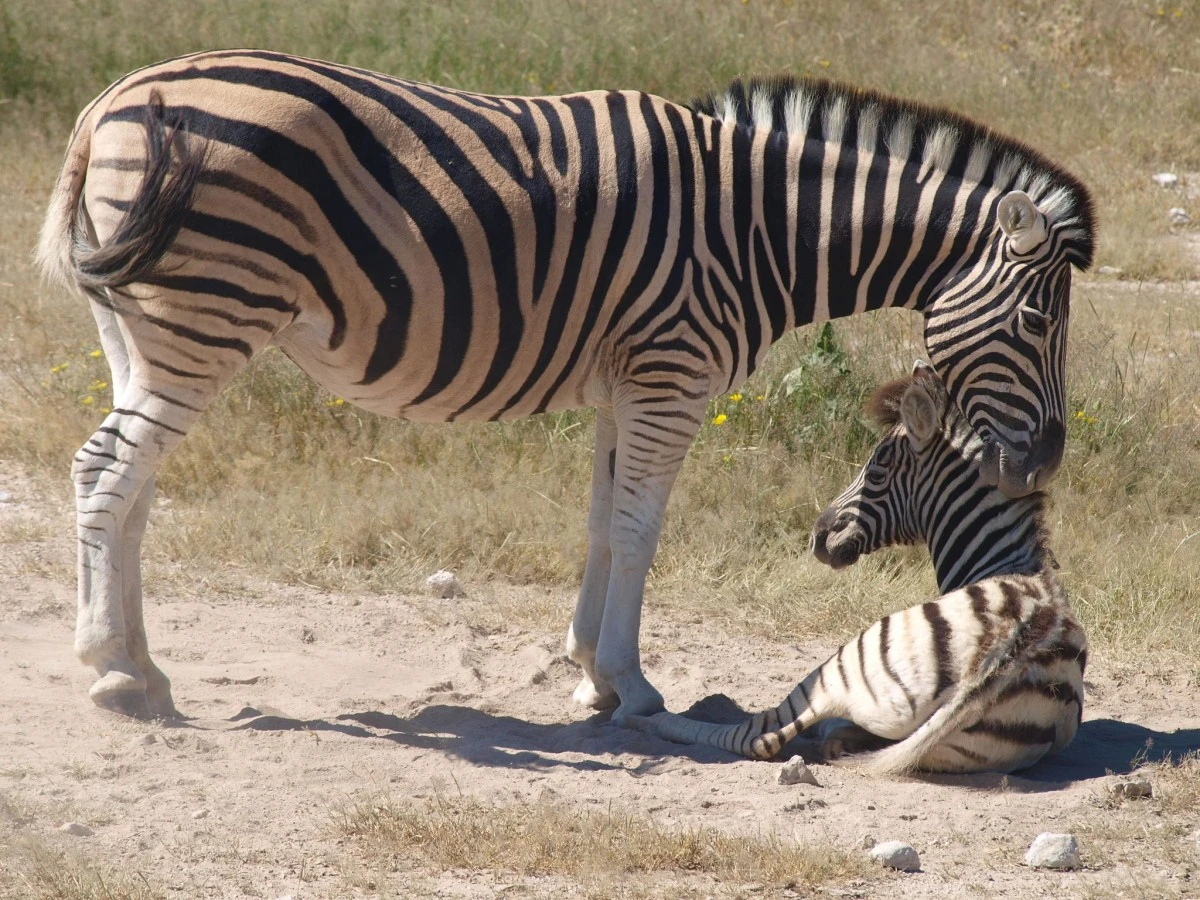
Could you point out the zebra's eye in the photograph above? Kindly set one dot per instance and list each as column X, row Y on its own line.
column 877, row 476
column 1036, row 323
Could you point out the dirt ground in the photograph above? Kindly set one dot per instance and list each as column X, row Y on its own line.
column 299, row 702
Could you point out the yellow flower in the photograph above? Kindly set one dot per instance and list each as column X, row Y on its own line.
column 337, row 401
column 824, row 63
column 59, row 368
column 758, row 397
column 98, row 385
column 736, row 398
column 720, row 419
column 106, row 409
column 88, row 401
column 1085, row 418
column 96, row 354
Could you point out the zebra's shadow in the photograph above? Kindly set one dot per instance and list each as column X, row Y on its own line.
column 485, row 739
column 1101, row 747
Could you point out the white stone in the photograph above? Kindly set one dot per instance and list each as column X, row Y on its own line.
column 5, row 497
column 794, row 771
column 1131, row 789
column 1178, row 215
column 1053, row 851
column 443, row 584
column 896, row 855
column 1166, row 179
column 200, row 814
column 76, row 829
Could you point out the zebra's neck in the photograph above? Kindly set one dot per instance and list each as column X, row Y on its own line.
column 974, row 531
column 1007, row 541
column 837, row 217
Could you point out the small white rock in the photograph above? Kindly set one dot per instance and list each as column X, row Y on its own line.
column 1165, row 179
column 1178, row 215
column 1053, row 851
column 76, row 829
column 443, row 584
column 1109, row 270
column 200, row 814
column 1131, row 789
column 794, row 771
column 5, row 497
column 896, row 855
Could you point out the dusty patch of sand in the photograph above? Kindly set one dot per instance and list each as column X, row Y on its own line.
column 300, row 702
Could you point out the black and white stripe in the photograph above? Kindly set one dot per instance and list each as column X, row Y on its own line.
column 442, row 255
column 987, row 678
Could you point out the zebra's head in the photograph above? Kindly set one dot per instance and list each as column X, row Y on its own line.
column 996, row 332
column 927, row 460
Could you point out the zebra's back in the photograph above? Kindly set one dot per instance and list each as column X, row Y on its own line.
column 423, row 252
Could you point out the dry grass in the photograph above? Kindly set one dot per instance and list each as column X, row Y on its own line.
column 282, row 481
column 33, row 869
column 539, row 839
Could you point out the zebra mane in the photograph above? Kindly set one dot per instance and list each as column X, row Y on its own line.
column 883, row 406
column 938, row 137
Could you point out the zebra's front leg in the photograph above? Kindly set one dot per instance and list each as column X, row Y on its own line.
column 583, row 636
column 653, row 439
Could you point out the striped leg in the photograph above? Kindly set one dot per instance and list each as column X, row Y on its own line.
column 584, row 633
column 653, row 437
column 113, row 475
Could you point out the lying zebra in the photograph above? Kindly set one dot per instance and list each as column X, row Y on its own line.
column 987, row 678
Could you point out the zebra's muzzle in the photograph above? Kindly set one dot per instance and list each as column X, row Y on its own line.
column 1020, row 474
column 837, row 541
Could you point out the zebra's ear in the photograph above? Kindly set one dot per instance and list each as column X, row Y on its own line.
column 919, row 413
column 1022, row 222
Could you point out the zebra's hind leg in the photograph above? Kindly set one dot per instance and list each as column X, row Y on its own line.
column 584, row 633
column 113, row 474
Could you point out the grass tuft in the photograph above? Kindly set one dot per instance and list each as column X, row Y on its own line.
column 540, row 839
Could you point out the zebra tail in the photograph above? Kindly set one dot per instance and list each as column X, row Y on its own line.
column 905, row 756
column 152, row 219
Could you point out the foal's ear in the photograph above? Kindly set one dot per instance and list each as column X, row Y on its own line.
column 919, row 413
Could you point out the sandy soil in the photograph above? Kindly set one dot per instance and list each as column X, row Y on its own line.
column 300, row 701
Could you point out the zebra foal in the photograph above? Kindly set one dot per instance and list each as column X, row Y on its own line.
column 440, row 255
column 987, row 678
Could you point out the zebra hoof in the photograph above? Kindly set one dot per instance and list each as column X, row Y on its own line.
column 586, row 694
column 121, row 694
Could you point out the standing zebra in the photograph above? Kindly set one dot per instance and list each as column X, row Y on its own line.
column 987, row 678
column 440, row 255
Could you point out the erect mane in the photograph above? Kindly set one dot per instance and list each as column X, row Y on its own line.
column 947, row 140
column 884, row 405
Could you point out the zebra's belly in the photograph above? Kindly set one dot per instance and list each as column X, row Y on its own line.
column 410, row 390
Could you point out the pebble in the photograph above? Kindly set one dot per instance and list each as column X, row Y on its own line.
column 896, row 855
column 1165, row 179
column 76, row 829
column 1053, row 851
column 200, row 814
column 1178, row 215
column 794, row 771
column 443, row 584
column 1131, row 789
column 5, row 497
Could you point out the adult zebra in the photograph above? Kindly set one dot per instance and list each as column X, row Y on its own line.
column 442, row 255
column 989, row 677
